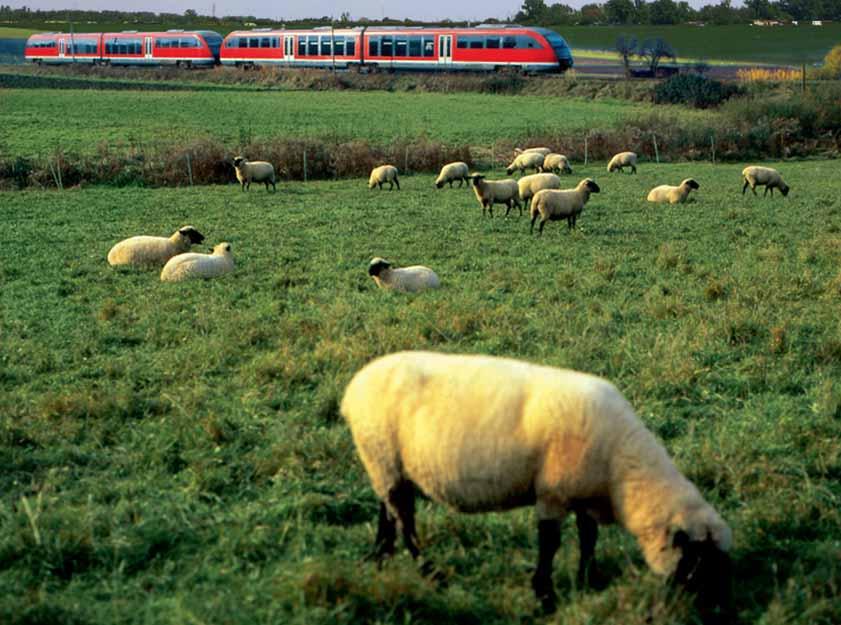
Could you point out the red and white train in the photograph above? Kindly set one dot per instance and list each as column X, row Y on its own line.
column 186, row 48
column 483, row 48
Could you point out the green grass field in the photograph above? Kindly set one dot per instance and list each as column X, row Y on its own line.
column 36, row 121
column 784, row 45
column 174, row 454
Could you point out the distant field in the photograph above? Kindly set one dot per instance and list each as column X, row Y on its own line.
column 783, row 45
column 37, row 120
column 16, row 33
column 174, row 453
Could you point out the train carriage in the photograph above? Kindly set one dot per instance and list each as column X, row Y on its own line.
column 484, row 48
column 173, row 47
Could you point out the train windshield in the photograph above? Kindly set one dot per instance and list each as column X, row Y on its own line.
column 559, row 45
column 214, row 41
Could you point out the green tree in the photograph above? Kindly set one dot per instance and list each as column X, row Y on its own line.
column 626, row 47
column 620, row 11
column 592, row 14
column 531, row 11
column 652, row 51
column 190, row 14
column 663, row 12
column 759, row 9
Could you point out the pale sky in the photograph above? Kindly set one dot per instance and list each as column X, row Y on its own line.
column 294, row 9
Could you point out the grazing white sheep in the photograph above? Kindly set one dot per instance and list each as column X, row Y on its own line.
column 382, row 174
column 490, row 192
column 763, row 176
column 544, row 151
column 480, row 433
column 189, row 266
column 553, row 205
column 529, row 185
column 452, row 172
column 146, row 250
column 556, row 163
column 526, row 160
column 622, row 160
column 405, row 279
column 673, row 195
column 254, row 171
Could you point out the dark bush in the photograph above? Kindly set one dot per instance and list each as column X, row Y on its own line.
column 694, row 90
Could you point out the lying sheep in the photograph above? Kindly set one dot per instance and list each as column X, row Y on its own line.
column 763, row 176
column 481, row 433
column 673, row 195
column 556, row 163
column 622, row 160
column 254, row 171
column 529, row 185
column 452, row 172
column 146, row 250
column 553, row 205
column 490, row 192
column 189, row 266
column 382, row 174
column 526, row 160
column 404, row 279
column 544, row 151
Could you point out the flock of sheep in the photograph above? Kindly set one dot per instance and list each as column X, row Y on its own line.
column 482, row 433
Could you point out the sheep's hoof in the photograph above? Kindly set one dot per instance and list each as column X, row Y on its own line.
column 592, row 577
column 544, row 591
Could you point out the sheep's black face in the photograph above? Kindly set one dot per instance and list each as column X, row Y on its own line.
column 439, row 185
column 227, row 248
column 592, row 186
column 693, row 185
column 194, row 235
column 238, row 161
column 509, row 171
column 375, row 269
column 784, row 190
column 475, row 178
column 705, row 571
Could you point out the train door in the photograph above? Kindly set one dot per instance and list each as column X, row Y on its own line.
column 445, row 50
column 288, row 48
column 147, row 49
column 62, row 47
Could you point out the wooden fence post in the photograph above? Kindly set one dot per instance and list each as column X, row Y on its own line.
column 656, row 151
column 585, row 150
column 189, row 169
column 305, row 164
column 712, row 145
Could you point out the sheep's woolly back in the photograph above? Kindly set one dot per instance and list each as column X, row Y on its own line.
column 526, row 160
column 480, row 433
column 153, row 251
column 403, row 279
column 529, row 185
column 556, row 162
column 544, row 151
column 191, row 266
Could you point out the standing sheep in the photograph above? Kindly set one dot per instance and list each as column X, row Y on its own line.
column 673, row 195
column 763, row 176
column 529, row 185
column 146, row 250
column 480, row 433
column 382, row 174
column 404, row 279
column 622, row 160
column 553, row 205
column 254, row 171
column 544, row 151
column 189, row 266
column 452, row 172
column 556, row 163
column 526, row 160
column 490, row 192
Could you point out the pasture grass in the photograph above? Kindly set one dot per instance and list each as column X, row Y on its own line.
column 37, row 121
column 174, row 452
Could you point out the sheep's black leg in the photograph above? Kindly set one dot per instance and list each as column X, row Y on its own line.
column 540, row 230
column 386, row 535
column 403, row 500
column 548, row 541
column 397, row 182
column 745, row 187
column 510, row 205
column 753, row 188
column 588, row 534
column 533, row 219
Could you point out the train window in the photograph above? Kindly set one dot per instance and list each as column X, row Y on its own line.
column 415, row 45
column 230, row 43
column 373, row 46
column 524, row 41
column 400, row 46
column 428, row 46
column 312, row 45
column 350, row 46
column 275, row 42
column 477, row 43
column 83, row 46
column 266, row 42
column 461, row 42
column 492, row 42
column 253, row 42
column 387, row 46
column 509, row 42
column 326, row 46
column 302, row 46
column 339, row 45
